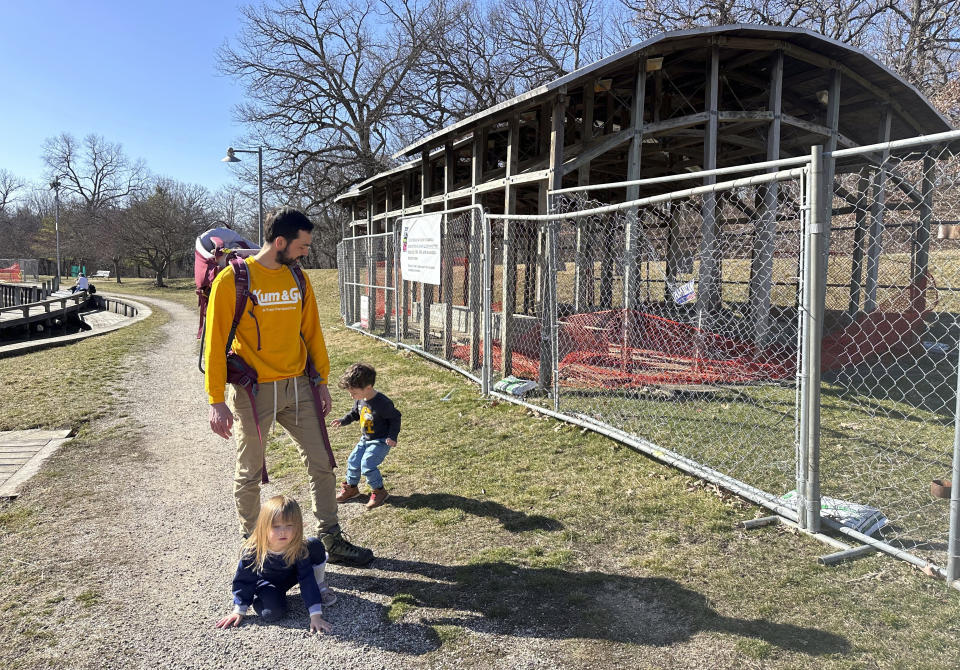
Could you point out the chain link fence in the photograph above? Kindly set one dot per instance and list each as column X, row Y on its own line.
column 677, row 323
column 890, row 345
column 17, row 270
column 681, row 324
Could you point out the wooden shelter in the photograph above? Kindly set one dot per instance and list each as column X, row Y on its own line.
column 681, row 102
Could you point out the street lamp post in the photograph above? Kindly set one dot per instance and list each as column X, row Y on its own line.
column 55, row 185
column 231, row 158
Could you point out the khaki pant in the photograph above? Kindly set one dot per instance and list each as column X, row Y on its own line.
column 297, row 413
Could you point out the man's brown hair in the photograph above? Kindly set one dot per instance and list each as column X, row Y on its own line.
column 286, row 222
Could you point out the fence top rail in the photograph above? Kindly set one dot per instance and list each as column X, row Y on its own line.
column 655, row 199
column 896, row 144
column 686, row 176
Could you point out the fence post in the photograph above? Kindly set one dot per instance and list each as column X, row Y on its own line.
column 814, row 296
column 953, row 543
column 487, row 373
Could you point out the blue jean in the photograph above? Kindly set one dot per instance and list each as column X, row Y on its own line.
column 365, row 460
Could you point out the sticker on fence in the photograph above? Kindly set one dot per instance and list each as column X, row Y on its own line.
column 683, row 293
column 861, row 518
column 420, row 248
column 515, row 386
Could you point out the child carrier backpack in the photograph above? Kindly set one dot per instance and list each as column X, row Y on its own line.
column 243, row 374
column 213, row 250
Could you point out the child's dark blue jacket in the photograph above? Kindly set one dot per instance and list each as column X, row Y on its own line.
column 283, row 576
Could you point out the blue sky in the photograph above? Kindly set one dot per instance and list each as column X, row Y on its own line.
column 141, row 74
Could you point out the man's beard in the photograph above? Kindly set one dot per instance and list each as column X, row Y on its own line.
column 285, row 259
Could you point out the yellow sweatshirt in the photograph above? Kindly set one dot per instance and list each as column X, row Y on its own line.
column 282, row 316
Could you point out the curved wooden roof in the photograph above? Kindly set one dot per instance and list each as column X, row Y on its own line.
column 868, row 86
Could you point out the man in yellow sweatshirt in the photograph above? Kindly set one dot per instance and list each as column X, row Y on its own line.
column 277, row 331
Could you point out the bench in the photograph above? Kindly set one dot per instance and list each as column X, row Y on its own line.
column 101, row 274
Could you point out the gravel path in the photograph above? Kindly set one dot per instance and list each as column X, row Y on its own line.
column 174, row 524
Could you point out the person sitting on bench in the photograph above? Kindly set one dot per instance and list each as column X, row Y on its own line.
column 83, row 284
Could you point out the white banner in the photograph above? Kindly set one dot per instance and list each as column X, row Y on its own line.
column 420, row 248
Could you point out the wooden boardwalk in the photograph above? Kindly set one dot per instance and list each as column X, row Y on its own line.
column 21, row 454
column 59, row 305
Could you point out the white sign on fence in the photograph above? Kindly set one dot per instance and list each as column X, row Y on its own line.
column 365, row 312
column 420, row 248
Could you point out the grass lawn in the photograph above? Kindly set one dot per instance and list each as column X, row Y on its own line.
column 524, row 527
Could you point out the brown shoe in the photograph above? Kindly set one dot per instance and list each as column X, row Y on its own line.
column 347, row 492
column 377, row 498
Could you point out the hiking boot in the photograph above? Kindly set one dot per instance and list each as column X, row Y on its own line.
column 341, row 550
column 347, row 492
column 377, row 498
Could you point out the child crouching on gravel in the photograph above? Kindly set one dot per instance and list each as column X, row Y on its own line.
column 379, row 428
column 274, row 558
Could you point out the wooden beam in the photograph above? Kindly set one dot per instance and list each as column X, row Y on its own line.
column 426, row 294
column 597, row 149
column 764, row 240
column 548, row 302
column 708, row 300
column 875, row 243
column 475, row 253
column 631, row 267
column 449, row 236
column 509, row 270
column 859, row 233
column 584, row 253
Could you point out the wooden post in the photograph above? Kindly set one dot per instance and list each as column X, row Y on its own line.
column 509, row 271
column 859, row 233
column 426, row 290
column 765, row 235
column 877, row 208
column 355, row 262
column 830, row 163
column 448, row 246
column 584, row 255
column 389, row 297
column 371, row 267
column 921, row 239
column 708, row 301
column 475, row 292
column 631, row 265
column 548, row 295
column 404, row 285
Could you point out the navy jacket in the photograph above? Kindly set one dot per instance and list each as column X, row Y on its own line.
column 283, row 576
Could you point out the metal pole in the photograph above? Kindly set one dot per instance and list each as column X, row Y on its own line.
column 56, row 225
column 815, row 294
column 260, row 194
column 487, row 370
column 953, row 543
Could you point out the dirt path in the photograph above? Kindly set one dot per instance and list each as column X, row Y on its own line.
column 169, row 549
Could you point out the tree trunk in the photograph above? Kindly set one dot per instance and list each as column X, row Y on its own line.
column 116, row 269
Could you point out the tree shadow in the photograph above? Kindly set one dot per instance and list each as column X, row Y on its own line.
column 511, row 520
column 549, row 603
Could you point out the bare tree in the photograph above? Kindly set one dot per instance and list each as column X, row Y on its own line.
column 918, row 40
column 9, row 185
column 97, row 172
column 159, row 229
column 325, row 80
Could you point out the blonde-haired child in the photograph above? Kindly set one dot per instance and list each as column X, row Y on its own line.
column 274, row 558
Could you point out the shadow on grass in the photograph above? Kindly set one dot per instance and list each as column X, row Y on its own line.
column 511, row 520
column 548, row 603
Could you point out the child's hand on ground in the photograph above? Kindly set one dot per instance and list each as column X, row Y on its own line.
column 335, row 423
column 232, row 619
column 319, row 625
column 391, row 443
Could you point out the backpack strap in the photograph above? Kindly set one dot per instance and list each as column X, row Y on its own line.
column 313, row 376
column 241, row 275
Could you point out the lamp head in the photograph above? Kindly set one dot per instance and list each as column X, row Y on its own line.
column 230, row 157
